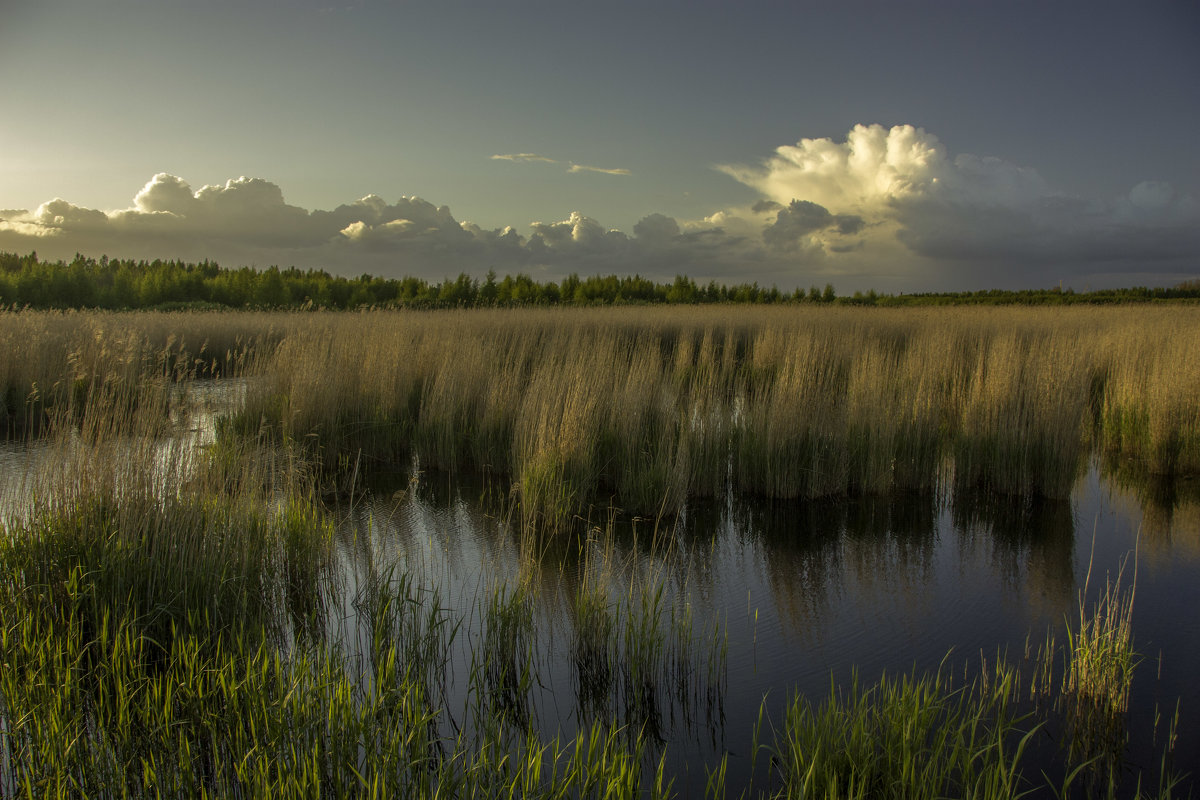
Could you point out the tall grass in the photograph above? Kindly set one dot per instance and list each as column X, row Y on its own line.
column 650, row 408
column 60, row 362
column 926, row 735
column 912, row 736
column 165, row 637
column 162, row 632
column 639, row 658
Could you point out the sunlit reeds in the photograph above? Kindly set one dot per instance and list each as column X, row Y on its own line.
column 57, row 362
column 648, row 408
column 909, row 736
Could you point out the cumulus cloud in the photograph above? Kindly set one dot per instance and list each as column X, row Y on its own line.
column 888, row 208
column 806, row 224
column 656, row 228
column 899, row 191
column 59, row 214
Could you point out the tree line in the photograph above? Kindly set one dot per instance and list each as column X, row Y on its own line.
column 113, row 283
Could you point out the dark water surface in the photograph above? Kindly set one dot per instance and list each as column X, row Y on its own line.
column 781, row 597
column 809, row 592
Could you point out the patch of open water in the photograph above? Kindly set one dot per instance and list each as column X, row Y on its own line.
column 803, row 592
column 806, row 592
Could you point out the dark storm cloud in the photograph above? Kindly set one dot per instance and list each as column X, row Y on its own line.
column 795, row 225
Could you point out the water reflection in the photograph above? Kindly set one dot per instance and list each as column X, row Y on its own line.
column 798, row 590
column 1169, row 507
column 1030, row 541
column 629, row 617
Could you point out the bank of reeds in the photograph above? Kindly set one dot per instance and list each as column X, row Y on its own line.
column 163, row 637
column 161, row 610
column 63, row 362
column 162, row 633
column 646, row 408
column 1150, row 415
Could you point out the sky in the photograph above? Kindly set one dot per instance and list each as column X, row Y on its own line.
column 900, row 145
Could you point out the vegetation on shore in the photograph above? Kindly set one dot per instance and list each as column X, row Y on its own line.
column 169, row 640
column 104, row 283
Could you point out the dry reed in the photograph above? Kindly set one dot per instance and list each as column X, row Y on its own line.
column 649, row 407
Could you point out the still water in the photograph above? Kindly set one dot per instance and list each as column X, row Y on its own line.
column 803, row 593
column 779, row 598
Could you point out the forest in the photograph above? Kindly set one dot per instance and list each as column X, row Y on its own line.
column 125, row 284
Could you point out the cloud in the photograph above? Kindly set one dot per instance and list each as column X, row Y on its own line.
column 886, row 208
column 873, row 164
column 59, row 214
column 918, row 212
column 575, row 168
column 806, row 224
column 656, row 228
column 523, row 157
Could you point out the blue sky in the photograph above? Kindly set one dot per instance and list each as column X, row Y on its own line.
column 896, row 145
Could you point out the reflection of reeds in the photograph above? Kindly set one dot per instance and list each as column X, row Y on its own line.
column 594, row 646
column 638, row 656
column 505, row 664
column 161, row 633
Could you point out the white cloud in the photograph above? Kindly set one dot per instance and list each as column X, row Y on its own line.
column 885, row 208
column 873, row 165
column 970, row 214
column 526, row 158
column 576, row 168
column 523, row 157
column 58, row 213
column 165, row 194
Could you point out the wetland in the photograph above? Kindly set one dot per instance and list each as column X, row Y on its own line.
column 624, row 552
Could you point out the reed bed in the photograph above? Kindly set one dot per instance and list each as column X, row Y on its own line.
column 932, row 735
column 638, row 657
column 58, row 362
column 163, row 633
column 648, row 408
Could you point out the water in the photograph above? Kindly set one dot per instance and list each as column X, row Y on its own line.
column 802, row 592
column 806, row 591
